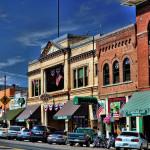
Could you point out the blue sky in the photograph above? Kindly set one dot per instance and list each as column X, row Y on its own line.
column 27, row 24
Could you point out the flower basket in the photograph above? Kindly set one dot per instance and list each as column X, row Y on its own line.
column 29, row 121
column 107, row 121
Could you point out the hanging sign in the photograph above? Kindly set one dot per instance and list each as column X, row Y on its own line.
column 45, row 97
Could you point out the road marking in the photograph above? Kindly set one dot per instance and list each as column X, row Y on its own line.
column 11, row 148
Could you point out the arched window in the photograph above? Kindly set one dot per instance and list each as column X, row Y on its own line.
column 149, row 33
column 106, row 74
column 116, row 72
column 126, row 70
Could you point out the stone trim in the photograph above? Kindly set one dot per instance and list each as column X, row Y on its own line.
column 34, row 72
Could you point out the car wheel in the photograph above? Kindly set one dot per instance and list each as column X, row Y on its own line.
column 50, row 142
column 117, row 148
column 88, row 143
column 71, row 143
column 81, row 144
column 9, row 138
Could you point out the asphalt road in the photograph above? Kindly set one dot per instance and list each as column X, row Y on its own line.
column 25, row 145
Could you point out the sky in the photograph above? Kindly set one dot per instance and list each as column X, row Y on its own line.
column 25, row 25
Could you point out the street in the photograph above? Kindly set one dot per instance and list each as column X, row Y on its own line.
column 20, row 145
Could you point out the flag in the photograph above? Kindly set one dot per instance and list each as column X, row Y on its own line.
column 58, row 78
column 56, row 107
column 45, row 108
column 99, row 109
column 50, row 107
column 35, row 82
column 121, row 105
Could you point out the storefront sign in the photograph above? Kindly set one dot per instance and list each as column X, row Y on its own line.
column 45, row 97
column 143, row 112
column 18, row 101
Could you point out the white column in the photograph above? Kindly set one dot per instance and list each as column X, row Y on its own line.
column 107, row 131
column 137, row 124
column 45, row 118
column 128, row 119
column 44, row 81
column 66, row 125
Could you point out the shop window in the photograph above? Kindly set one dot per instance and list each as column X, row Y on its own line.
column 149, row 33
column 55, row 78
column 116, row 72
column 36, row 87
column 80, row 77
column 96, row 71
column 133, row 123
column 126, row 70
column 106, row 74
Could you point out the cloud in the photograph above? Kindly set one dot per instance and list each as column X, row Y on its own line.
column 36, row 38
column 11, row 61
column 4, row 17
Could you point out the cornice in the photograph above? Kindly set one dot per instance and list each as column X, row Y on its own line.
column 34, row 72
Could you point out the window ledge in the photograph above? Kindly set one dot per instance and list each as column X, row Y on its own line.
column 127, row 82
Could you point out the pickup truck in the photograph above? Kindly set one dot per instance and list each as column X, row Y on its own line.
column 82, row 136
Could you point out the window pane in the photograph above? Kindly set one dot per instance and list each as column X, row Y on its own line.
column 32, row 89
column 96, row 69
column 126, row 70
column 36, row 88
column 80, row 77
column 116, row 72
column 74, row 78
column 106, row 74
column 86, row 75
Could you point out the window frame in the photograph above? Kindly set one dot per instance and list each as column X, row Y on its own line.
column 126, row 70
column 34, row 88
column 106, row 74
column 116, row 73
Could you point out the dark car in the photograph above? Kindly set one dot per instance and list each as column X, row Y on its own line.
column 59, row 137
column 40, row 133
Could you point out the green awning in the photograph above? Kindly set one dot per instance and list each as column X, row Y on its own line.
column 84, row 100
column 138, row 105
column 11, row 114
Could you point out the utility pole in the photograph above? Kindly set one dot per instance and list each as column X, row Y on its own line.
column 58, row 18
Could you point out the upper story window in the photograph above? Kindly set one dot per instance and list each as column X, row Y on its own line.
column 36, row 87
column 116, row 72
column 54, row 78
column 96, row 70
column 149, row 33
column 80, row 77
column 106, row 74
column 126, row 70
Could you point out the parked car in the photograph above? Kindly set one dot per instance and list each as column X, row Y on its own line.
column 3, row 132
column 40, row 133
column 59, row 137
column 131, row 139
column 82, row 136
column 24, row 135
column 12, row 132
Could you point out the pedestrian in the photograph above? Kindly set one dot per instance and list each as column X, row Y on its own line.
column 75, row 128
column 124, row 128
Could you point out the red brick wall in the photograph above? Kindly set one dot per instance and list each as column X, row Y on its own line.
column 117, row 45
column 143, row 18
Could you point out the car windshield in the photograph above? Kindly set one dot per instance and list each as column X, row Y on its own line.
column 2, row 129
column 41, row 128
column 129, row 134
column 86, row 131
column 26, row 130
column 15, row 128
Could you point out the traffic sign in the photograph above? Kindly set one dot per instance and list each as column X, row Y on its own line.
column 5, row 100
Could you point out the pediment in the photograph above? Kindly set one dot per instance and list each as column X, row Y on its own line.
column 49, row 49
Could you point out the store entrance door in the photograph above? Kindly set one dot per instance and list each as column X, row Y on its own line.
column 146, row 124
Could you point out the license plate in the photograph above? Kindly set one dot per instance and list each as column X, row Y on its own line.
column 37, row 132
column 125, row 144
column 54, row 139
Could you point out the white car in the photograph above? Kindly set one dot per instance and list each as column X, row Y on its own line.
column 131, row 140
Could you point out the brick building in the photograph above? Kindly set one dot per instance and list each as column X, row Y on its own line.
column 123, row 65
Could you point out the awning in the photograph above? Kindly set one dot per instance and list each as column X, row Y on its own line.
column 11, row 114
column 68, row 110
column 84, row 100
column 27, row 113
column 138, row 105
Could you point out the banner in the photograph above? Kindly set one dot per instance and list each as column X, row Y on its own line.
column 45, row 108
column 61, row 105
column 50, row 107
column 56, row 107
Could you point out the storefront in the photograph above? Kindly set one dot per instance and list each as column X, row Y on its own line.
column 138, row 110
column 73, row 115
column 30, row 116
